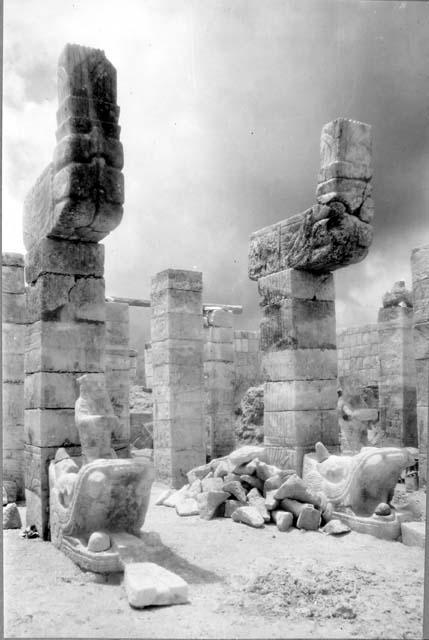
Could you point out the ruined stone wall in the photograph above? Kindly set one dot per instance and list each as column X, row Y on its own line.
column 358, row 359
column 14, row 319
column 247, row 363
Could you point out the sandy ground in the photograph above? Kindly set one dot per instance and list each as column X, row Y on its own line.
column 243, row 583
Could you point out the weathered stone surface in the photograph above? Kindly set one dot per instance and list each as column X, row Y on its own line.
column 248, row 515
column 13, row 280
column 235, row 489
column 98, row 541
column 230, row 507
column 309, row 518
column 11, row 517
column 198, row 472
column 345, row 150
column 4, row 497
column 147, row 584
column 12, row 259
column 187, row 507
column 256, row 500
column 335, row 528
column 300, row 364
column 14, row 308
column 265, row 471
column 209, row 501
column 175, row 497
column 246, row 454
column 383, row 509
column 252, row 481
column 413, row 534
column 271, row 502
column 361, row 481
column 291, row 283
column 60, row 257
column 245, row 469
column 79, row 196
column 212, row 484
column 274, row 482
column 300, row 395
column 163, row 496
column 295, row 488
column 283, row 519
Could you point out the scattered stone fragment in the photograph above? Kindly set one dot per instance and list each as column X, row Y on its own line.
column 187, row 507
column 335, row 528
column 11, row 517
column 249, row 516
column 164, row 495
column 246, row 469
column 222, row 469
column 235, row 489
column 309, row 518
column 148, row 584
column 265, row 471
column 231, row 506
column 231, row 477
column 198, row 473
column 247, row 453
column 194, row 489
column 327, row 513
column 256, row 500
column 11, row 490
column 383, row 509
column 212, row 484
column 294, row 488
column 252, row 481
column 176, row 496
column 270, row 501
column 276, row 481
column 283, row 519
column 4, row 497
column 99, row 541
column 209, row 501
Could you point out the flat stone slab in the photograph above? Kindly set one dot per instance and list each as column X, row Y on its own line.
column 413, row 534
column 147, row 584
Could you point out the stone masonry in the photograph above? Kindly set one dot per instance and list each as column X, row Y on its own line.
column 14, row 318
column 219, row 381
column 420, row 275
column 74, row 204
column 177, row 353
column 292, row 261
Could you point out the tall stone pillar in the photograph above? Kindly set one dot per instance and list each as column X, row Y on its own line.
column 420, row 275
column 118, row 371
column 397, row 382
column 299, row 364
column 219, row 381
column 14, row 318
column 177, row 363
column 292, row 261
column 74, row 204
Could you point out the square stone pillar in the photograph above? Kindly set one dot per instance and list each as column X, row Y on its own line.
column 397, row 382
column 219, row 381
column 299, row 363
column 420, row 275
column 177, row 364
column 65, row 339
column 118, row 371
column 14, row 318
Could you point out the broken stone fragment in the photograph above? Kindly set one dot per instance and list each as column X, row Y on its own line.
column 252, row 481
column 187, row 507
column 209, row 501
column 4, row 497
column 147, row 584
column 256, row 500
column 176, row 496
column 212, row 484
column 265, row 471
column 230, row 507
column 194, row 489
column 283, row 519
column 270, row 501
column 246, row 454
column 222, row 469
column 198, row 473
column 276, row 481
column 345, row 150
column 249, row 516
column 163, row 496
column 99, row 541
column 235, row 489
column 295, row 488
column 335, row 528
column 309, row 518
column 11, row 517
column 246, row 469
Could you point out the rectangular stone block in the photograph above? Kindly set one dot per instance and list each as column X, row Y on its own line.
column 63, row 257
column 423, row 426
column 50, row 427
column 13, row 468
column 220, row 374
column 117, row 312
column 13, row 437
column 14, row 308
column 218, row 351
column 219, row 334
column 13, row 280
column 299, row 364
column 176, row 301
column 171, row 410
column 12, row 404
column 220, row 318
column 177, row 352
column 65, row 347
column 186, row 378
column 345, row 150
column 300, row 395
column 13, row 368
column 179, row 326
column 290, row 428
column 298, row 324
column 421, row 300
column 171, row 466
column 13, row 338
column 292, row 283
column 118, row 334
column 118, row 360
column 47, row 390
column 177, row 279
column 421, row 340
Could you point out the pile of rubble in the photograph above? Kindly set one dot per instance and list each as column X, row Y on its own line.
column 242, row 486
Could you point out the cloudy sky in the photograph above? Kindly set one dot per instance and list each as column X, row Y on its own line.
column 222, row 103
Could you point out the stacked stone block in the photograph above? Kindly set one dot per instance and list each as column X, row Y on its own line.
column 14, row 318
column 359, row 362
column 148, row 370
column 397, row 383
column 247, row 362
column 420, row 275
column 118, row 371
column 178, row 391
column 219, row 381
column 299, row 363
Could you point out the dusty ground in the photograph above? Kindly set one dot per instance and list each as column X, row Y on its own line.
column 244, row 583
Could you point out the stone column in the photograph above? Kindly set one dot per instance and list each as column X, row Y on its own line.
column 292, row 261
column 397, row 383
column 73, row 205
column 14, row 320
column 420, row 274
column 118, row 371
column 148, row 371
column 299, row 364
column 219, row 381
column 177, row 357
